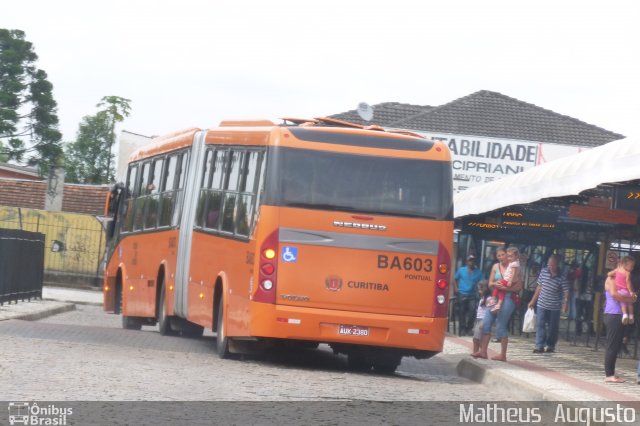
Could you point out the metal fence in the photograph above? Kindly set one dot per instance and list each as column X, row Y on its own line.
column 21, row 265
column 74, row 243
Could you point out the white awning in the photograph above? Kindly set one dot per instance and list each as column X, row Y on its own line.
column 617, row 161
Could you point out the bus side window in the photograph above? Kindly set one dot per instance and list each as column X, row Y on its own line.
column 167, row 191
column 130, row 198
column 231, row 187
column 183, row 165
column 151, row 214
column 246, row 201
column 214, row 193
column 204, row 184
column 143, row 190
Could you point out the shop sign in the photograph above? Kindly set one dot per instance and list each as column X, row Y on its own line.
column 476, row 160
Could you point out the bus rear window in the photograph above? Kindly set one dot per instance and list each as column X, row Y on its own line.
column 367, row 184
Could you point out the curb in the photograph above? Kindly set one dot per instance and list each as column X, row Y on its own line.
column 34, row 316
column 75, row 302
column 475, row 371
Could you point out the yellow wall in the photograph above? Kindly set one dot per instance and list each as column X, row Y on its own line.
column 81, row 234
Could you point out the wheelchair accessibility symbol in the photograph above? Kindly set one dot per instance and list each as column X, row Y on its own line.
column 289, row 254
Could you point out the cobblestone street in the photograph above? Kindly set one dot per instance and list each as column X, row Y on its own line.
column 85, row 355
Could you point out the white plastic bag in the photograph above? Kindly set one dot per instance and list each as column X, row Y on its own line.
column 529, row 323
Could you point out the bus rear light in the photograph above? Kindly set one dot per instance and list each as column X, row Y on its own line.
column 268, row 270
column 289, row 320
column 130, row 288
column 417, row 331
column 106, row 288
column 170, row 288
column 441, row 289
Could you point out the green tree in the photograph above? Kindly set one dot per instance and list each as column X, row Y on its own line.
column 116, row 109
column 89, row 159
column 28, row 112
column 86, row 156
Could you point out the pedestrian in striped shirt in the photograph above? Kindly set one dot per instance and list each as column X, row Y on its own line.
column 552, row 296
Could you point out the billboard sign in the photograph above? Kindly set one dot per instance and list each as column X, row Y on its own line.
column 478, row 159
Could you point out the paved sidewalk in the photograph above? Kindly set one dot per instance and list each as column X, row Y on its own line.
column 572, row 373
column 55, row 300
column 89, row 297
column 34, row 309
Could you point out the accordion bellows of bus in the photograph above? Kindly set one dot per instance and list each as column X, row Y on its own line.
column 308, row 232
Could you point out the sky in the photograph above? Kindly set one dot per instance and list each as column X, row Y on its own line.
column 193, row 63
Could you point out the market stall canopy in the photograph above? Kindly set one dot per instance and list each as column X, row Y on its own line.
column 614, row 162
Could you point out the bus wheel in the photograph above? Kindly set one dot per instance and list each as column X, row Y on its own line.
column 357, row 361
column 190, row 329
column 164, row 322
column 128, row 323
column 222, row 341
column 387, row 366
column 117, row 303
column 131, row 323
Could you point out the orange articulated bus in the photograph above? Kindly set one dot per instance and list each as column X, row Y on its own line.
column 313, row 231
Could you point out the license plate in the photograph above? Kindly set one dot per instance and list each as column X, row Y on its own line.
column 353, row 330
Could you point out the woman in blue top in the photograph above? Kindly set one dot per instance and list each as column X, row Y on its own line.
column 503, row 316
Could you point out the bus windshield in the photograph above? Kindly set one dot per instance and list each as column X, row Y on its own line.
column 359, row 183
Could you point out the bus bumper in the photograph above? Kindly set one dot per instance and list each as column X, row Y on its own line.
column 330, row 326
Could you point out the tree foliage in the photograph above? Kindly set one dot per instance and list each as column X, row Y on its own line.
column 87, row 155
column 116, row 109
column 28, row 112
column 89, row 158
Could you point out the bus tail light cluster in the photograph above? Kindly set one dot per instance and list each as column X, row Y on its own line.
column 268, row 270
column 441, row 291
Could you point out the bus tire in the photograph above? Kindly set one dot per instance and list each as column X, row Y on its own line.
column 387, row 363
column 385, row 367
column 164, row 322
column 117, row 298
column 357, row 361
column 131, row 323
column 222, row 341
column 128, row 323
column 192, row 330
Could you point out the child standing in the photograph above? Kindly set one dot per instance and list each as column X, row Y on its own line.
column 484, row 293
column 512, row 271
column 622, row 278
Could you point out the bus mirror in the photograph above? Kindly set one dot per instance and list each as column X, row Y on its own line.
column 110, row 227
column 114, row 199
column 57, row 246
